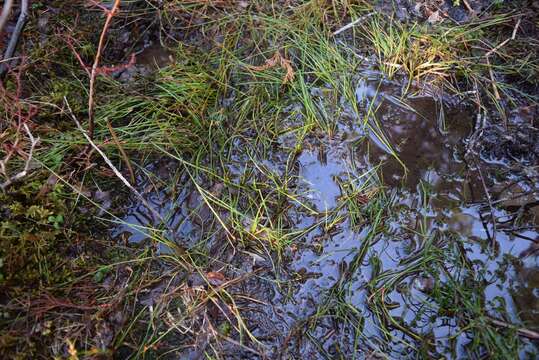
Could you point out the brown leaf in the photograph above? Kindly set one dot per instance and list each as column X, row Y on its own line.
column 215, row 278
column 277, row 60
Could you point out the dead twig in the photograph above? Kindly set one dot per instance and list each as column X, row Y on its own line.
column 110, row 14
column 21, row 21
column 530, row 334
column 468, row 7
column 112, row 167
column 493, row 79
column 513, row 36
column 21, row 174
column 101, row 70
column 352, row 24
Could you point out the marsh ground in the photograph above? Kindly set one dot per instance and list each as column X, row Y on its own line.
column 298, row 188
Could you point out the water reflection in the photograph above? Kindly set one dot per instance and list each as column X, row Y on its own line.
column 439, row 195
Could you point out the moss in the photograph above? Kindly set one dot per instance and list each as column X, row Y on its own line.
column 32, row 237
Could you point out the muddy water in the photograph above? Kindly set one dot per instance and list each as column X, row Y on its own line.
column 314, row 300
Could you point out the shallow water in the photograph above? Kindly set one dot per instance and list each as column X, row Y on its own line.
column 441, row 195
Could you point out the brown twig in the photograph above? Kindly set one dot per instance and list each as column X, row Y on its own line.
column 17, row 118
column 468, row 7
column 101, row 70
column 110, row 14
column 69, row 42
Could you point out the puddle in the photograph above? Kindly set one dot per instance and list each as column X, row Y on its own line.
column 326, row 275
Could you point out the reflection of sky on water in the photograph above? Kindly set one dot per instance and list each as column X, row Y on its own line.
column 456, row 207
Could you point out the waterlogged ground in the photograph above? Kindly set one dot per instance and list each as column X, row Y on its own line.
column 400, row 230
column 314, row 180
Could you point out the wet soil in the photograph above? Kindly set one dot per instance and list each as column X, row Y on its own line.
column 457, row 178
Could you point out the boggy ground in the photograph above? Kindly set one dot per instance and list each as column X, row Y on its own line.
column 298, row 188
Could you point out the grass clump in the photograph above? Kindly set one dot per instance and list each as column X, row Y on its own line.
column 170, row 112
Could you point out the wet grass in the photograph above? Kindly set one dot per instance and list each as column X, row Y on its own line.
column 218, row 112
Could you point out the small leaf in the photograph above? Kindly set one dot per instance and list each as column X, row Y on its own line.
column 215, row 278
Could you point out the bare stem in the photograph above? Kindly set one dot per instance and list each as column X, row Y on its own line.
column 95, row 66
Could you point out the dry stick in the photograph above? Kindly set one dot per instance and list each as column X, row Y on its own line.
column 110, row 15
column 112, row 167
column 513, row 36
column 11, row 179
column 122, row 152
column 496, row 93
column 4, row 16
column 21, row 21
column 352, row 24
column 530, row 334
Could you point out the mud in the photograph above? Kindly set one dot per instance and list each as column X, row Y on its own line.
column 457, row 178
